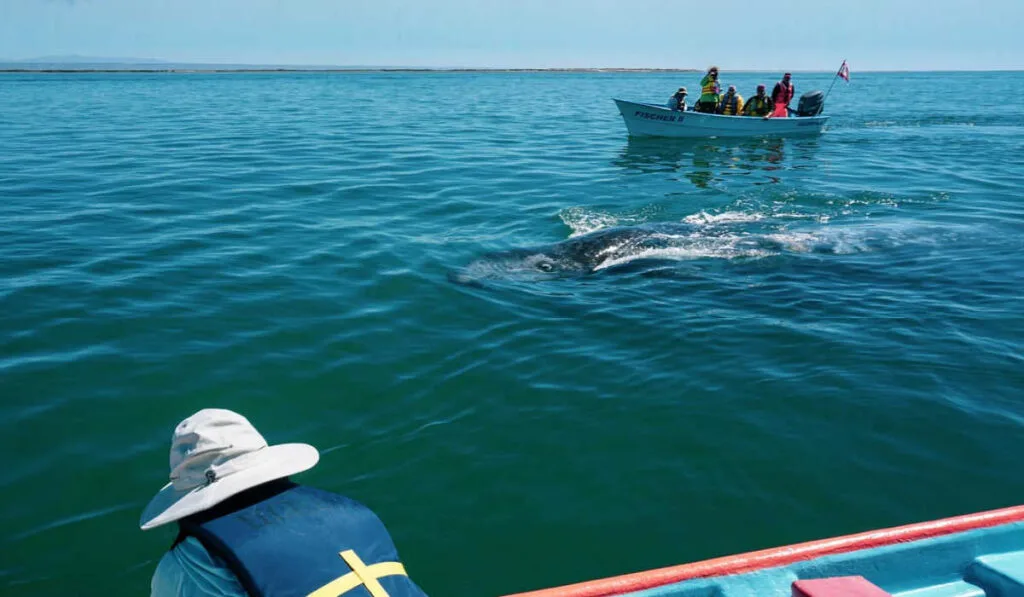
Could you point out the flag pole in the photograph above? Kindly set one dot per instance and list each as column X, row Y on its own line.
column 834, row 77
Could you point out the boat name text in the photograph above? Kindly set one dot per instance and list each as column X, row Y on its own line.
column 652, row 116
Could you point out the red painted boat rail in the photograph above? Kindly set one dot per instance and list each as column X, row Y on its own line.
column 781, row 556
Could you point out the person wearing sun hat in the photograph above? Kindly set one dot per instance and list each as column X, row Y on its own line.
column 245, row 529
column 677, row 102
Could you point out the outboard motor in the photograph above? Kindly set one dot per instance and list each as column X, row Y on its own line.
column 811, row 104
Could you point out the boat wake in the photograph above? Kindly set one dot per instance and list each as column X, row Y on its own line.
column 735, row 245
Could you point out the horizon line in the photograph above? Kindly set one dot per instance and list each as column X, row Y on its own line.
column 214, row 67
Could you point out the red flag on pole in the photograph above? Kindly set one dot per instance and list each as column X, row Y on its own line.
column 844, row 72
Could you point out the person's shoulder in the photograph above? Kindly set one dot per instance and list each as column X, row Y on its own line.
column 186, row 555
column 189, row 570
column 169, row 575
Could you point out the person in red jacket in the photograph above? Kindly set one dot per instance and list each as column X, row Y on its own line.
column 782, row 95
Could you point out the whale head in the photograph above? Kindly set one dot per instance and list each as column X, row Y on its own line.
column 523, row 265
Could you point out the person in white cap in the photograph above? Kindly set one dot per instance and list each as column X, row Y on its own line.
column 245, row 529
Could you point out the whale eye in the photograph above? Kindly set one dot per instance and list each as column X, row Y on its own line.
column 545, row 266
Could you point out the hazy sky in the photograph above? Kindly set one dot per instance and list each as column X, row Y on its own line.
column 735, row 34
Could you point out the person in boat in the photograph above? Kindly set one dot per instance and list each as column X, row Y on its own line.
column 731, row 104
column 678, row 100
column 758, row 105
column 782, row 94
column 710, row 92
column 246, row 530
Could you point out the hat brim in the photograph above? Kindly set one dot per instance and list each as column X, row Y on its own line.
column 268, row 464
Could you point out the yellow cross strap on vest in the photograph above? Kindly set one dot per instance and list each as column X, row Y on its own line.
column 361, row 575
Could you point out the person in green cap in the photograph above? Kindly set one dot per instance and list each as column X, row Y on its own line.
column 710, row 92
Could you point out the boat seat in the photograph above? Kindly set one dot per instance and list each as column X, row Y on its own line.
column 838, row 586
column 957, row 588
column 999, row 574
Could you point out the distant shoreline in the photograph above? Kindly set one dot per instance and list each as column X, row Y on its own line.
column 347, row 70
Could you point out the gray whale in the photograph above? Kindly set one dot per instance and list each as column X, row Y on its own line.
column 609, row 247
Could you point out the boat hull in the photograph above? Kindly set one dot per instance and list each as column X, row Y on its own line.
column 648, row 120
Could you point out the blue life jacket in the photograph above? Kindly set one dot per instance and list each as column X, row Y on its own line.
column 729, row 102
column 286, row 540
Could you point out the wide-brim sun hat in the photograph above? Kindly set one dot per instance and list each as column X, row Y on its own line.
column 216, row 454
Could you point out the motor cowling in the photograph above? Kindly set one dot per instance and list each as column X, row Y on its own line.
column 811, row 104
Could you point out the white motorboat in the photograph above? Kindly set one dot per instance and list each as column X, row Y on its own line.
column 649, row 120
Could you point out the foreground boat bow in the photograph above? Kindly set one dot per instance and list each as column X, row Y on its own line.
column 976, row 555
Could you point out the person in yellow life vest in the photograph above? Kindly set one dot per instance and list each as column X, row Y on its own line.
column 710, row 92
column 731, row 104
column 759, row 105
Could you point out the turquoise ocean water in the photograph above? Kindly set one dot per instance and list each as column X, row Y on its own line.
column 835, row 346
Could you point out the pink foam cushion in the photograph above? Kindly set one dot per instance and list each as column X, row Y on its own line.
column 840, row 586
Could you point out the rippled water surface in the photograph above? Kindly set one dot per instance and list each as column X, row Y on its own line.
column 827, row 340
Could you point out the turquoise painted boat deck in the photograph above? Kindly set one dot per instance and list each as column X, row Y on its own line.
column 983, row 562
